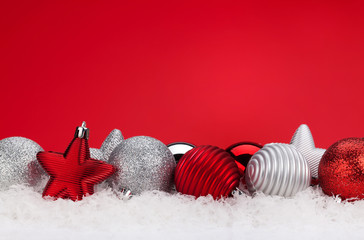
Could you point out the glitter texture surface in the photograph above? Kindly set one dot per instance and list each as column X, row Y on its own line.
column 18, row 162
column 143, row 164
column 341, row 170
column 303, row 141
column 277, row 169
column 112, row 140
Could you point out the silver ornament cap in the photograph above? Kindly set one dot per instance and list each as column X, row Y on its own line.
column 82, row 131
column 144, row 164
column 277, row 169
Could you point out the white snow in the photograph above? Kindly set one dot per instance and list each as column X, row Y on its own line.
column 24, row 214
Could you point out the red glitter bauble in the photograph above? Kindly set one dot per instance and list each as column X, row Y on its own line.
column 207, row 170
column 341, row 169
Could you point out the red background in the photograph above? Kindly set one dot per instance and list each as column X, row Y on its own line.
column 202, row 72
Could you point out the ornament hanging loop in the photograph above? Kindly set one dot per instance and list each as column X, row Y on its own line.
column 82, row 132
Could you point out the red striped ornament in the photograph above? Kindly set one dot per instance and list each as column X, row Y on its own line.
column 207, row 170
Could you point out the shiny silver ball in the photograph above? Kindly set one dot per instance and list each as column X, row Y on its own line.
column 18, row 162
column 143, row 164
column 277, row 169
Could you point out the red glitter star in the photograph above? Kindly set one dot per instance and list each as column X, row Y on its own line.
column 73, row 174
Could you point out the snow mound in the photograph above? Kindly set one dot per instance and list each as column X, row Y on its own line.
column 24, row 214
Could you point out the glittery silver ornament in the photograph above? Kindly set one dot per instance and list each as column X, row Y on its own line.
column 277, row 169
column 112, row 140
column 18, row 162
column 303, row 141
column 144, row 164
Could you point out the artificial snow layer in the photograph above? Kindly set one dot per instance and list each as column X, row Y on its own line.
column 24, row 214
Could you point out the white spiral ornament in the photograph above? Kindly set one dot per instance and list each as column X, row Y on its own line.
column 278, row 169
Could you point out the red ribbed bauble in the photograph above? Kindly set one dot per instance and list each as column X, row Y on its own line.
column 341, row 169
column 207, row 170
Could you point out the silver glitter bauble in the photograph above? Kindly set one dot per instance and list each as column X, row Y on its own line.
column 18, row 162
column 303, row 141
column 112, row 140
column 277, row 169
column 144, row 164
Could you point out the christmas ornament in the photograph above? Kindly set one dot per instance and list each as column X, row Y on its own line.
column 207, row 170
column 18, row 162
column 303, row 141
column 144, row 164
column 113, row 139
column 178, row 149
column 242, row 152
column 277, row 169
column 73, row 174
column 341, row 170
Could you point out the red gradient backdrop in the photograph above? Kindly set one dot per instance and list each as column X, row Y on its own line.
column 202, row 72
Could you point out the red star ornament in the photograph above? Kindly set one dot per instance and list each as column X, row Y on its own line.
column 73, row 174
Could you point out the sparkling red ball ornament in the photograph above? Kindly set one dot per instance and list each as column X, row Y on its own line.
column 341, row 170
column 207, row 170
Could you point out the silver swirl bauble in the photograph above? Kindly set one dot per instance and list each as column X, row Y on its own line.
column 18, row 162
column 278, row 169
column 143, row 164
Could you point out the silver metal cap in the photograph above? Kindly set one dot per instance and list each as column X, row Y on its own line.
column 82, row 132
